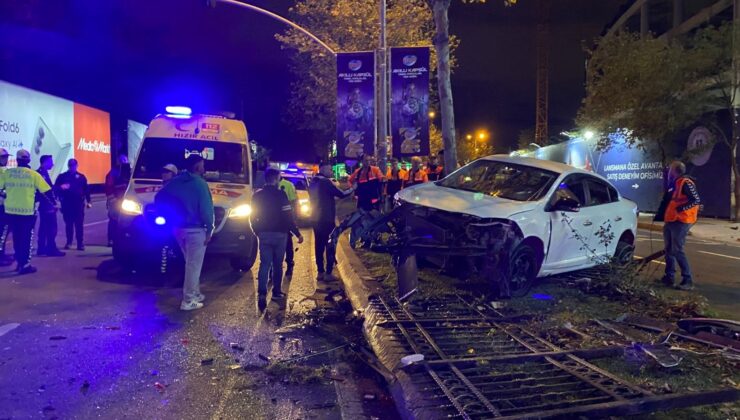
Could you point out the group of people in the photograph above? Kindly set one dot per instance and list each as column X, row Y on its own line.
column 28, row 195
column 374, row 188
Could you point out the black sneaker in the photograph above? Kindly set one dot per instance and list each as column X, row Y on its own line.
column 29, row 269
column 278, row 295
column 55, row 253
column 262, row 302
column 668, row 281
column 80, row 247
column 67, row 246
column 685, row 285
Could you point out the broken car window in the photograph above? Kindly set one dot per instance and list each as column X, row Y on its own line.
column 503, row 180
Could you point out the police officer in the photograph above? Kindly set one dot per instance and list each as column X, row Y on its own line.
column 47, row 215
column 368, row 180
column 74, row 195
column 5, row 259
column 272, row 218
column 417, row 174
column 21, row 184
column 681, row 203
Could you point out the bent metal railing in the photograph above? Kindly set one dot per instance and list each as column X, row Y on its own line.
column 479, row 364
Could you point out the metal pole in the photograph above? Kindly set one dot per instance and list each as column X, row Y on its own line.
column 276, row 17
column 382, row 145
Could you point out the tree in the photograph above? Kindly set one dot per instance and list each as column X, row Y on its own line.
column 640, row 84
column 442, row 45
column 470, row 149
column 345, row 25
column 652, row 88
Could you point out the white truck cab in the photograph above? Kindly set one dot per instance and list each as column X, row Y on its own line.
column 170, row 139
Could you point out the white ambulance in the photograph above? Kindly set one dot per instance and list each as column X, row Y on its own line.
column 142, row 233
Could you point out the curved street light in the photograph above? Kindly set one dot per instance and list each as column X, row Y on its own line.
column 276, row 17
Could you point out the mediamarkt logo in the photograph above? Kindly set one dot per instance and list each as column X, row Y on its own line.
column 93, row 146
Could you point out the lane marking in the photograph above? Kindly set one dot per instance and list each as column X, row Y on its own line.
column 99, row 222
column 4, row 329
column 653, row 261
column 720, row 255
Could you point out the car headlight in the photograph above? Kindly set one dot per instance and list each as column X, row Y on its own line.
column 304, row 206
column 241, row 211
column 133, row 207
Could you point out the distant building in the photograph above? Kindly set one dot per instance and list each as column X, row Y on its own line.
column 668, row 18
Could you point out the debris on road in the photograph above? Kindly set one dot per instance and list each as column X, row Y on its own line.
column 159, row 387
column 57, row 338
column 85, row 387
column 265, row 358
column 207, row 362
column 412, row 359
column 236, row 346
column 659, row 353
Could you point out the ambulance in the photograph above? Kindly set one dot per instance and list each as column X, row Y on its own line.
column 143, row 233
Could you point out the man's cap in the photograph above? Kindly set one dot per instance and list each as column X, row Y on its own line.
column 170, row 167
column 23, row 154
column 3, row 152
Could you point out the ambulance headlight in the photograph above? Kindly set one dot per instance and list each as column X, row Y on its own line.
column 241, row 211
column 304, row 206
column 132, row 207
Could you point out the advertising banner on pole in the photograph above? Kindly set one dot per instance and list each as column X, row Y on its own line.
column 410, row 101
column 355, row 104
column 47, row 125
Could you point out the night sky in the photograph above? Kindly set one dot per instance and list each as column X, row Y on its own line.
column 133, row 57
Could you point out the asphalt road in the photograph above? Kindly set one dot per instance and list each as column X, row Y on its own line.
column 715, row 266
column 84, row 339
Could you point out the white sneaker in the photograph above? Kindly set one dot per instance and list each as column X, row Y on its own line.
column 189, row 306
column 200, row 297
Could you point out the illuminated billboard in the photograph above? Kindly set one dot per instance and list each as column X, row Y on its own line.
column 47, row 125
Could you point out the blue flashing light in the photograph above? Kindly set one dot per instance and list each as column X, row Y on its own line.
column 179, row 110
column 160, row 220
column 541, row 296
column 291, row 169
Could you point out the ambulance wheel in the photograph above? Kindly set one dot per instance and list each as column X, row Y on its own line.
column 245, row 263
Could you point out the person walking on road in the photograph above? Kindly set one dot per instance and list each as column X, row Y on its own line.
column 272, row 219
column 681, row 203
column 289, row 189
column 20, row 185
column 5, row 260
column 368, row 179
column 47, row 215
column 116, row 182
column 187, row 205
column 417, row 175
column 322, row 193
column 74, row 195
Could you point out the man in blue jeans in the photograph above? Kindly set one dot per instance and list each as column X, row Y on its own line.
column 272, row 221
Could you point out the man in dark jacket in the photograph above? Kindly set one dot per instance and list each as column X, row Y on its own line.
column 272, row 219
column 73, row 193
column 187, row 206
column 322, row 193
column 116, row 182
column 47, row 215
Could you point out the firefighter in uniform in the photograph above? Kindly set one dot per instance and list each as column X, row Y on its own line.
column 417, row 174
column 681, row 203
column 368, row 180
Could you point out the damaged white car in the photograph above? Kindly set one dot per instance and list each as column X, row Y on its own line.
column 510, row 219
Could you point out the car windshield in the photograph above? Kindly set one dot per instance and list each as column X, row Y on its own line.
column 300, row 183
column 224, row 162
column 501, row 179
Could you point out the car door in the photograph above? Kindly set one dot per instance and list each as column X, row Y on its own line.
column 604, row 212
column 570, row 232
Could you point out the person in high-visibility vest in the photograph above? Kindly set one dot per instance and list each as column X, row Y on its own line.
column 368, row 180
column 681, row 209
column 417, row 174
column 289, row 189
column 435, row 170
column 395, row 176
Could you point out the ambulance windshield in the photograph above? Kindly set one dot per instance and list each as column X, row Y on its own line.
column 225, row 162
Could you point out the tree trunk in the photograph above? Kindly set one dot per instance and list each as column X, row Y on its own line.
column 735, row 215
column 446, row 108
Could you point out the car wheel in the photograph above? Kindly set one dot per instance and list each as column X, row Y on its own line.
column 523, row 266
column 245, row 263
column 124, row 259
column 624, row 254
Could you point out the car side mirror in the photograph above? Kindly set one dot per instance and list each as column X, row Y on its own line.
column 566, row 203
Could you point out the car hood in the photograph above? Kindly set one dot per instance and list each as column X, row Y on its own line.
column 459, row 201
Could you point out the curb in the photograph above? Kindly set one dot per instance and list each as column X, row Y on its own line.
column 655, row 227
column 354, row 276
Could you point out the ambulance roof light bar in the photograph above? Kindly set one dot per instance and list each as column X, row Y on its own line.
column 178, row 110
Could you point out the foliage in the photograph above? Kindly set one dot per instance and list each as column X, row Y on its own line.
column 470, row 149
column 345, row 25
column 642, row 84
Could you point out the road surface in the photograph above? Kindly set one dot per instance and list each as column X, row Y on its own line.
column 715, row 266
column 83, row 339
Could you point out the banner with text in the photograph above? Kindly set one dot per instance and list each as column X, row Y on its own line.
column 410, row 101
column 47, row 125
column 355, row 104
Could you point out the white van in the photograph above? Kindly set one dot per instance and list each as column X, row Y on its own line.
column 142, row 233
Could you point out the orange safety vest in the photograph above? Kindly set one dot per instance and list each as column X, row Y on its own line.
column 678, row 199
column 418, row 177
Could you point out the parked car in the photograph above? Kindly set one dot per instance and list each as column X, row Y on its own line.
column 529, row 217
column 300, row 181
